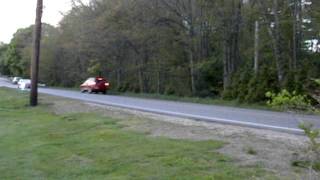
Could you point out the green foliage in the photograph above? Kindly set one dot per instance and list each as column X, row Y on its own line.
column 3, row 65
column 313, row 150
column 285, row 100
column 317, row 81
column 315, row 91
column 146, row 46
column 210, row 78
column 313, row 134
column 13, row 60
column 250, row 87
column 94, row 68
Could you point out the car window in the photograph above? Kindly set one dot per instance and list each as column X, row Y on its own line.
column 98, row 81
column 89, row 80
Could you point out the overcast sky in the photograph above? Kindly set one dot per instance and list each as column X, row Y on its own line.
column 15, row 14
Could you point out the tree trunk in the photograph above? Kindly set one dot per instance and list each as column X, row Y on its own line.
column 274, row 33
column 256, row 48
column 231, row 43
column 297, row 32
column 119, row 58
column 158, row 63
column 294, row 36
column 119, row 72
column 236, row 35
column 36, row 55
column 226, row 69
column 277, row 41
column 191, row 46
column 140, row 76
column 192, row 74
column 158, row 76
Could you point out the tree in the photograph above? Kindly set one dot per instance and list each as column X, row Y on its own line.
column 4, row 69
column 231, row 32
column 185, row 15
column 13, row 61
column 179, row 47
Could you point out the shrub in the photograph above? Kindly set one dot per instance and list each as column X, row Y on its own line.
column 248, row 87
column 317, row 81
column 312, row 134
column 311, row 158
column 288, row 101
column 316, row 92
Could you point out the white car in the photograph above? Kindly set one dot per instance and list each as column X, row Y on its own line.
column 15, row 80
column 24, row 84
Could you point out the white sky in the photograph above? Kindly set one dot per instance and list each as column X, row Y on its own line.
column 15, row 14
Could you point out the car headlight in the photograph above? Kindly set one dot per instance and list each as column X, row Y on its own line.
column 107, row 84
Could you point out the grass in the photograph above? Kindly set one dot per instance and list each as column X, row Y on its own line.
column 38, row 144
column 251, row 151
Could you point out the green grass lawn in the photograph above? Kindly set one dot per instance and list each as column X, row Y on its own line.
column 38, row 144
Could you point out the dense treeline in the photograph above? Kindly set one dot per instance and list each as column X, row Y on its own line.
column 238, row 49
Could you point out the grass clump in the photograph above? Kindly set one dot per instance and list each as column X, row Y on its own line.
column 251, row 151
column 38, row 144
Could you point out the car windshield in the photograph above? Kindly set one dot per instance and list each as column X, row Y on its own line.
column 90, row 80
column 25, row 81
column 98, row 80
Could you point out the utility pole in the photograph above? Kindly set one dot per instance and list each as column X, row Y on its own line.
column 36, row 55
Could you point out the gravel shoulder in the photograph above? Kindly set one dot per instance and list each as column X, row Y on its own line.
column 274, row 151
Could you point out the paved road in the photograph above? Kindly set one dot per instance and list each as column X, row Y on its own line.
column 285, row 122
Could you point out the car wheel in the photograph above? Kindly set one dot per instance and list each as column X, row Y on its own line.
column 90, row 91
column 104, row 92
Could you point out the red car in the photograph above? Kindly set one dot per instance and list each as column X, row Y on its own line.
column 96, row 85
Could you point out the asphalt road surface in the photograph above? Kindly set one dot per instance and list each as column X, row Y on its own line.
column 285, row 122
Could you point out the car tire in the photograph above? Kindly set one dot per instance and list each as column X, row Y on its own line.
column 104, row 92
column 90, row 91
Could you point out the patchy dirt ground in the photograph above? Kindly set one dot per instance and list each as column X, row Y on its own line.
column 271, row 150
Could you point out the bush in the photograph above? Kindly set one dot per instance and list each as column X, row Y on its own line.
column 209, row 78
column 316, row 92
column 248, row 87
column 311, row 158
column 288, row 101
column 312, row 134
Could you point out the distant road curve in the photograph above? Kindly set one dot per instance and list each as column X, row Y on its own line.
column 284, row 122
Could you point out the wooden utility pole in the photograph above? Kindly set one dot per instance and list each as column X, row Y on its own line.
column 36, row 55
